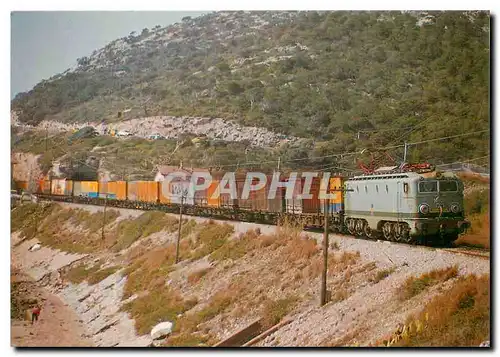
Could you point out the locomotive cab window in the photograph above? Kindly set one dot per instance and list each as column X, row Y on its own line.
column 448, row 186
column 428, row 186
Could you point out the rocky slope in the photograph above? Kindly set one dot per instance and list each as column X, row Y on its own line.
column 362, row 309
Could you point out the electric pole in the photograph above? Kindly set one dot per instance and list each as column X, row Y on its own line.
column 406, row 149
column 279, row 163
column 323, row 297
column 323, row 292
column 179, row 231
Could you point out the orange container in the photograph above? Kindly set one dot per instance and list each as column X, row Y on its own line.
column 336, row 204
column 21, row 185
column 114, row 189
column 146, row 191
column 165, row 195
column 119, row 188
column 58, row 187
column 85, row 188
column 44, row 186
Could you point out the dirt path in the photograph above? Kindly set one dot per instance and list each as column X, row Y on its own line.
column 58, row 325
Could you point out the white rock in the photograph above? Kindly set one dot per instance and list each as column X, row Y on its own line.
column 161, row 330
column 35, row 247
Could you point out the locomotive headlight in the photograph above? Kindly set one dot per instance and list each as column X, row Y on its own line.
column 455, row 207
column 423, row 208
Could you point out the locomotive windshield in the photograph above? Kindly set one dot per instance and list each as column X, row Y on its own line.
column 428, row 186
column 447, row 186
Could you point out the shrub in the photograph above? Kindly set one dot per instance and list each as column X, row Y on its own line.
column 274, row 311
column 457, row 317
column 381, row 274
column 414, row 286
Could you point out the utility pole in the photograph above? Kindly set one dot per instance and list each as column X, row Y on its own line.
column 179, row 231
column 46, row 138
column 279, row 162
column 406, row 149
column 323, row 292
column 323, row 297
column 104, row 217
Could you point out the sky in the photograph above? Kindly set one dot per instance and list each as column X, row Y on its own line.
column 44, row 43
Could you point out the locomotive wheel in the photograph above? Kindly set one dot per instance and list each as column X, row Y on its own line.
column 360, row 227
column 398, row 232
column 405, row 233
column 370, row 233
column 351, row 228
column 387, row 230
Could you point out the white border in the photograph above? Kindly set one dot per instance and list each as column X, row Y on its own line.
column 184, row 6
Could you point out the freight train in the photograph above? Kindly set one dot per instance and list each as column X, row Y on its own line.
column 399, row 206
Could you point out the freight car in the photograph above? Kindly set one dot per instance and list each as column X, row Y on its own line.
column 401, row 207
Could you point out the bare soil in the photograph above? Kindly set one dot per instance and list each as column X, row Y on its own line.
column 57, row 326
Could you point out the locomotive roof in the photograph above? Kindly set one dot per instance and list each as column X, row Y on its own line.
column 385, row 176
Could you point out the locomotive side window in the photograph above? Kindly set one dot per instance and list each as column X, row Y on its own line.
column 405, row 187
column 448, row 186
column 428, row 186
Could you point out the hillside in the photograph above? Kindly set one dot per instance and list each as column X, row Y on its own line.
column 343, row 80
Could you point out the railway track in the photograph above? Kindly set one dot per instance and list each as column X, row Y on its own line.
column 479, row 253
column 470, row 251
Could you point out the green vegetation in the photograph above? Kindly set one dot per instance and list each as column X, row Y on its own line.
column 93, row 221
column 211, row 236
column 134, row 158
column 28, row 216
column 457, row 317
column 414, row 286
column 128, row 231
column 238, row 247
column 155, row 307
column 275, row 311
column 353, row 72
column 381, row 275
column 477, row 211
column 92, row 275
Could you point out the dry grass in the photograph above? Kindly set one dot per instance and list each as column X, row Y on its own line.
column 25, row 216
column 479, row 234
column 339, row 295
column 275, row 311
column 348, row 339
column 467, row 177
column 196, row 276
column 157, row 306
column 477, row 211
column 414, row 286
column 148, row 272
column 188, row 340
column 458, row 317
column 93, row 221
column 92, row 275
column 381, row 275
column 129, row 231
column 237, row 247
column 190, row 323
column 210, row 237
